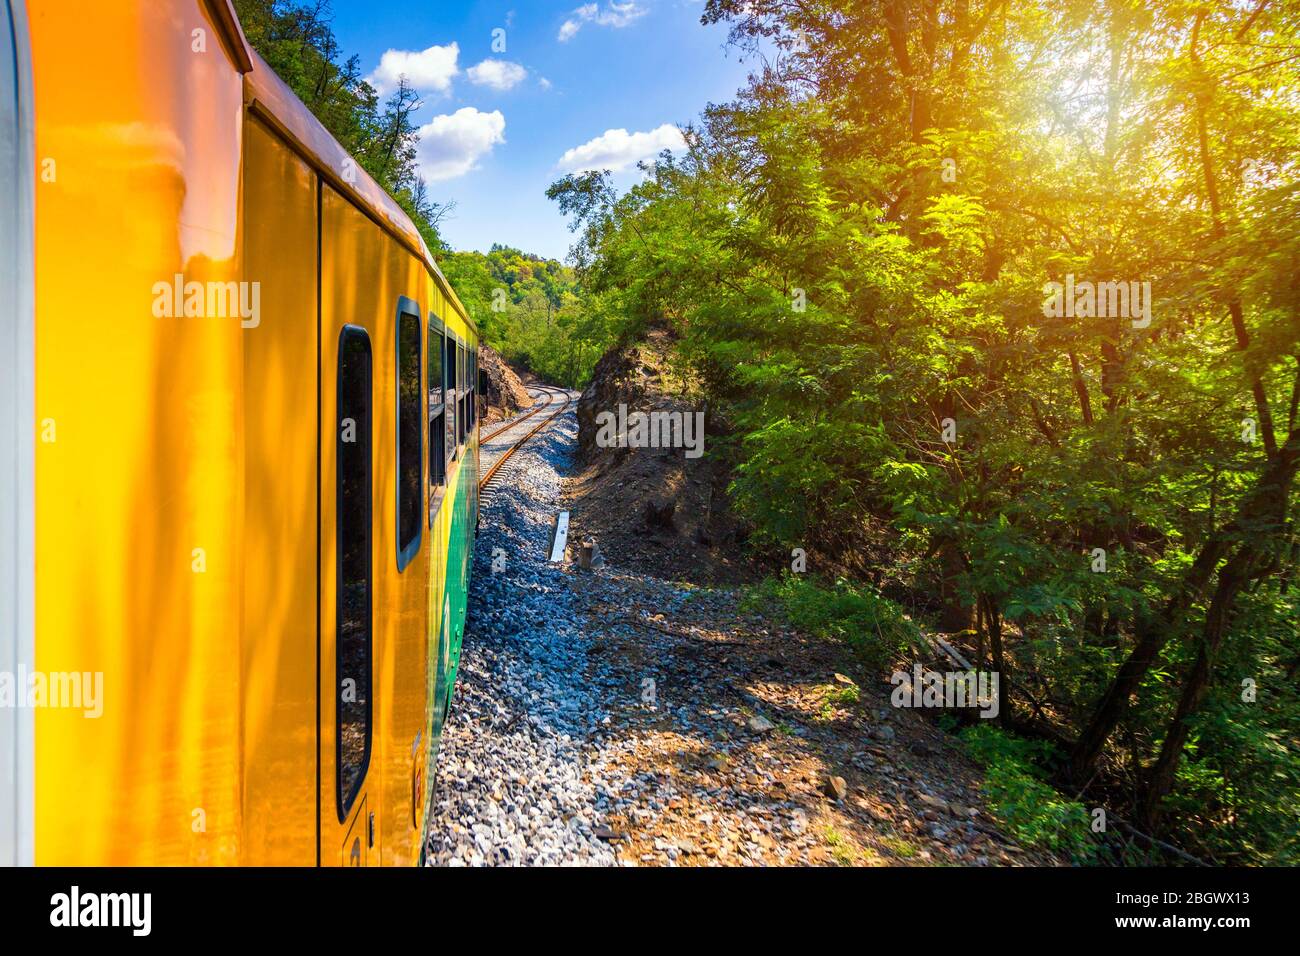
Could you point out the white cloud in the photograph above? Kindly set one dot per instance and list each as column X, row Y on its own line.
column 617, row 149
column 544, row 83
column 615, row 15
column 498, row 74
column 427, row 71
column 452, row 144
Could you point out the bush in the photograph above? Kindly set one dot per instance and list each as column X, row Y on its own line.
column 877, row 629
column 1028, row 808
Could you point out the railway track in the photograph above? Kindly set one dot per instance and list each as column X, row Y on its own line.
column 496, row 450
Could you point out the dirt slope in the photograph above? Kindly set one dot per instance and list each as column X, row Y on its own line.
column 652, row 509
column 506, row 394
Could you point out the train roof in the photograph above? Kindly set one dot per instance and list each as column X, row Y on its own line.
column 270, row 98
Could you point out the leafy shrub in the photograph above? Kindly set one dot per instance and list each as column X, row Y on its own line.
column 1029, row 809
column 876, row 628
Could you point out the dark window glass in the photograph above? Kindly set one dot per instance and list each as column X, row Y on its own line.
column 437, row 426
column 473, row 388
column 410, row 438
column 355, row 560
column 462, row 393
column 452, row 416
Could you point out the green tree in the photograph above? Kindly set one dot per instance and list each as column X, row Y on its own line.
column 856, row 254
column 295, row 39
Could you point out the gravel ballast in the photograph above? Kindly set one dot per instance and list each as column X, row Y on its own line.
column 609, row 717
column 510, row 783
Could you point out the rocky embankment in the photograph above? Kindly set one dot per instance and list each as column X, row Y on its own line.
column 505, row 394
column 661, row 510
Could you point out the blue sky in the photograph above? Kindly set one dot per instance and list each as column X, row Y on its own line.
column 578, row 85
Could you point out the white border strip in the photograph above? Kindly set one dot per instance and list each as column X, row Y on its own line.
column 17, row 430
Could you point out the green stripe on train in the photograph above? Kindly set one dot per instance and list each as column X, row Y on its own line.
column 460, row 552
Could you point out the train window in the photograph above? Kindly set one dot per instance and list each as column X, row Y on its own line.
column 410, row 432
column 449, row 364
column 469, row 393
column 461, row 393
column 437, row 425
column 355, row 560
column 473, row 386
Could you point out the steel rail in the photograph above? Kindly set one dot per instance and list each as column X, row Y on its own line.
column 537, row 407
column 496, row 466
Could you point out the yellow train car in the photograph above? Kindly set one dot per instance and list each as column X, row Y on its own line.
column 241, row 399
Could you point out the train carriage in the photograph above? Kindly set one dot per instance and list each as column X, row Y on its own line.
column 242, row 403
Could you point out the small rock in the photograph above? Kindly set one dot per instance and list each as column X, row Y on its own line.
column 761, row 725
column 835, row 788
column 937, row 803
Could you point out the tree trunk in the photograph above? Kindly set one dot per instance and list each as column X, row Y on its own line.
column 956, row 615
column 993, row 621
column 1261, row 514
column 1232, row 579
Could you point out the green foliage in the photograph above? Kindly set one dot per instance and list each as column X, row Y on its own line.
column 855, row 256
column 532, row 311
column 296, row 41
column 876, row 628
column 1035, row 814
column 989, row 745
column 844, row 696
column 1237, row 797
column 1027, row 807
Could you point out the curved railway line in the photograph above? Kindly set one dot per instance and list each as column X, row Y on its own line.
column 499, row 456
